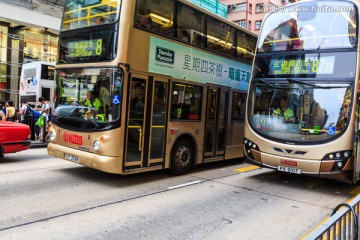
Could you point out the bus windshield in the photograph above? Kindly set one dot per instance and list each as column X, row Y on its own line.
column 85, row 13
column 299, row 112
column 87, row 98
column 299, row 27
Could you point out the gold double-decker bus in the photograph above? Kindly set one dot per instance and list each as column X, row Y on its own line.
column 149, row 84
column 303, row 100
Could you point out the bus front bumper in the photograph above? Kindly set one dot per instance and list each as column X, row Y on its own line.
column 316, row 168
column 103, row 163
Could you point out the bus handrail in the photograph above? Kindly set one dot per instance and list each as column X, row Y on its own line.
column 88, row 15
column 140, row 135
column 298, row 38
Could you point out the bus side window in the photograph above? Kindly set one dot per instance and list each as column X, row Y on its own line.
column 143, row 21
column 198, row 40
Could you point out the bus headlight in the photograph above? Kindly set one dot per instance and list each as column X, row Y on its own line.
column 339, row 155
column 250, row 145
column 340, row 158
column 96, row 145
column 52, row 136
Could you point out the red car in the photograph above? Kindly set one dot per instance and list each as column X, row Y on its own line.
column 14, row 137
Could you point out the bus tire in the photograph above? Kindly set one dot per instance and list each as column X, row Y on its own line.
column 182, row 157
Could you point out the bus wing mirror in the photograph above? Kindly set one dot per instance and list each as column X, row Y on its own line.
column 119, row 77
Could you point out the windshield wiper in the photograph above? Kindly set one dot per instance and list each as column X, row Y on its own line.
column 292, row 80
column 263, row 81
column 270, row 85
column 57, row 118
column 92, row 121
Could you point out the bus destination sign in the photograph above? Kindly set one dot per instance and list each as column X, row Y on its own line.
column 308, row 65
column 85, row 48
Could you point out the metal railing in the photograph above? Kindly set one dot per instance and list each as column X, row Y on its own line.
column 343, row 223
column 36, row 136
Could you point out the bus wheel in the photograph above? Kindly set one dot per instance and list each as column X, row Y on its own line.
column 182, row 157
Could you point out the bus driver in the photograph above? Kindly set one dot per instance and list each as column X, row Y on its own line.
column 284, row 111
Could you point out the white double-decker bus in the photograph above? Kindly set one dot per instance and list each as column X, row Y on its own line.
column 36, row 80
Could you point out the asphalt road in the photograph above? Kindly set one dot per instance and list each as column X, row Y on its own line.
column 46, row 198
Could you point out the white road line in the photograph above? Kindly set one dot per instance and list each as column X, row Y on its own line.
column 185, row 184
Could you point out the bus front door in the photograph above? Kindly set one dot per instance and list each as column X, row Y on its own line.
column 215, row 128
column 146, row 122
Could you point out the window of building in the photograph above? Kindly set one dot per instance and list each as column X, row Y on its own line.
column 233, row 8
column 250, row 8
column 259, row 8
column 238, row 107
column 242, row 23
column 186, row 102
column 40, row 47
column 3, row 55
column 257, row 25
column 249, row 25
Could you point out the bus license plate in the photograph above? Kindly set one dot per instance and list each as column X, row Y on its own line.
column 289, row 169
column 72, row 158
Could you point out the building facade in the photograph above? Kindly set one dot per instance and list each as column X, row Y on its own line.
column 250, row 13
column 28, row 32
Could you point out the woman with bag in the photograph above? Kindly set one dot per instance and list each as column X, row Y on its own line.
column 10, row 111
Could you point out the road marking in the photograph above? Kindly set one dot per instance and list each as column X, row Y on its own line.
column 184, row 185
column 355, row 191
column 327, row 218
column 322, row 222
column 246, row 169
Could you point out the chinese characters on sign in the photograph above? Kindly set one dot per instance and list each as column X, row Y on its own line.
column 86, row 48
column 323, row 65
column 189, row 63
column 215, row 69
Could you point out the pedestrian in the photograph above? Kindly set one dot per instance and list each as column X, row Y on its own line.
column 2, row 114
column 36, row 117
column 22, row 111
column 43, row 103
column 44, row 129
column 10, row 111
column 3, row 108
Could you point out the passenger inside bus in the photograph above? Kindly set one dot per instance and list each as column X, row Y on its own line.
column 193, row 109
column 184, row 36
column 284, row 111
column 99, row 20
column 198, row 40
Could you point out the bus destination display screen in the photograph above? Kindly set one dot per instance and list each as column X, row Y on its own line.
column 85, row 48
column 307, row 65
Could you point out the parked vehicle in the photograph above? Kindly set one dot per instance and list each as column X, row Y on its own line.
column 14, row 137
